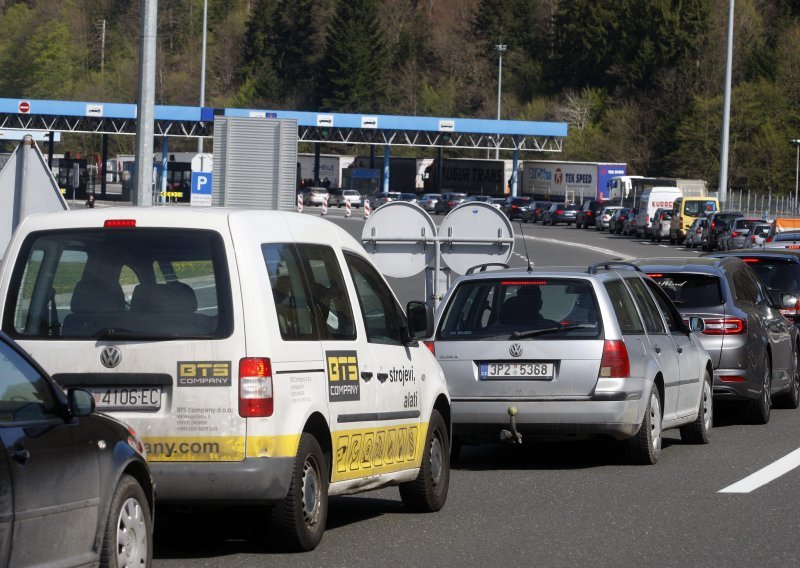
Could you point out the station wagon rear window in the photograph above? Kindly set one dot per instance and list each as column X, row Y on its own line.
column 690, row 290
column 528, row 308
column 120, row 283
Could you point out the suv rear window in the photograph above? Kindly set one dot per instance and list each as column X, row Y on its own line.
column 120, row 283
column 496, row 308
column 777, row 273
column 690, row 290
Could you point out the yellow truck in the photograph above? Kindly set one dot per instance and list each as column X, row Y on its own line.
column 684, row 212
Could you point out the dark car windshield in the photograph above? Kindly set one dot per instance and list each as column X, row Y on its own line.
column 690, row 290
column 137, row 283
column 782, row 274
column 501, row 309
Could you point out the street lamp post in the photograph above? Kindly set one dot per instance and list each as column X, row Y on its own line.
column 796, row 144
column 500, row 48
column 203, row 69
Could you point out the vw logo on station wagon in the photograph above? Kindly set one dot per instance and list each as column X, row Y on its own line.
column 111, row 357
column 515, row 350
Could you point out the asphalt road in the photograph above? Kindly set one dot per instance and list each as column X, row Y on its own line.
column 547, row 503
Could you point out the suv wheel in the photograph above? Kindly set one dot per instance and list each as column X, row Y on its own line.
column 761, row 407
column 644, row 447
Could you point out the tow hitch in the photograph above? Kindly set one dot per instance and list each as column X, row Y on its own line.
column 512, row 436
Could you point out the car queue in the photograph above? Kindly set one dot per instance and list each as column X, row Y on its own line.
column 313, row 381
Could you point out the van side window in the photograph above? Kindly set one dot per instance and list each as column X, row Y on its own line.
column 330, row 298
column 382, row 316
column 295, row 315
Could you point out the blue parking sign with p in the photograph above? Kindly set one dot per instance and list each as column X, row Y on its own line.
column 201, row 188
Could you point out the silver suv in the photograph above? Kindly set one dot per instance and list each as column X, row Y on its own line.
column 560, row 351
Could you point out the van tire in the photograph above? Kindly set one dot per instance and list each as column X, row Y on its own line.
column 428, row 492
column 129, row 514
column 300, row 518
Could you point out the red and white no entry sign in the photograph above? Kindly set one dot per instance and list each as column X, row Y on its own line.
column 24, row 107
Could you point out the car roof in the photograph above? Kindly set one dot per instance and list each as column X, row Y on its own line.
column 703, row 265
column 766, row 253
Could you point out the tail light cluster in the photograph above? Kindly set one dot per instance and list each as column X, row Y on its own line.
column 559, row 211
column 615, row 362
column 255, row 387
column 724, row 326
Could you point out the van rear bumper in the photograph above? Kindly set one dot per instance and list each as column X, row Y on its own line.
column 251, row 481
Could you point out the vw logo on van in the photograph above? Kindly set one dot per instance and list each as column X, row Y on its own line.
column 110, row 356
column 515, row 350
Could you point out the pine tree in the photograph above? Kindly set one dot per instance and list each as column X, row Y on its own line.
column 354, row 68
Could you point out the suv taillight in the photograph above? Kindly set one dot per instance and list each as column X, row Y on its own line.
column 725, row 326
column 255, row 387
column 615, row 362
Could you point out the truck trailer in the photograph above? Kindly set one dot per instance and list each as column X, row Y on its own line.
column 569, row 181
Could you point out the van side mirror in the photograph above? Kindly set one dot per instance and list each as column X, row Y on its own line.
column 696, row 324
column 420, row 320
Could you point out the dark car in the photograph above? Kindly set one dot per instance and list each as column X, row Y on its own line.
column 448, row 202
column 752, row 347
column 718, row 222
column 617, row 223
column 588, row 212
column 76, row 487
column 779, row 271
column 534, row 211
column 515, row 207
column 560, row 213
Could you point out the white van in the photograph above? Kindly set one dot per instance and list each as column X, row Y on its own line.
column 259, row 354
column 660, row 197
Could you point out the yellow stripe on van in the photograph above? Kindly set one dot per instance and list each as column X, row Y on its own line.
column 273, row 446
column 370, row 451
column 194, row 448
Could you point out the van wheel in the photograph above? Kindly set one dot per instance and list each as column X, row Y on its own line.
column 760, row 408
column 428, row 492
column 644, row 447
column 698, row 432
column 300, row 518
column 128, row 539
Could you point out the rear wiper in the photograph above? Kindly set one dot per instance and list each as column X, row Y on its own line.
column 546, row 330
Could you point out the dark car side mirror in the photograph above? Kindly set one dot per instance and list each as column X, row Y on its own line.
column 788, row 301
column 81, row 402
column 696, row 324
column 420, row 320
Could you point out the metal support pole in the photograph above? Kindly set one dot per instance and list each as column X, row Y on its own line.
column 316, row 164
column 439, row 169
column 748, row 201
column 501, row 48
column 515, row 168
column 50, row 136
column 103, row 165
column 145, row 103
column 386, row 164
column 726, row 113
column 203, row 69
column 164, row 170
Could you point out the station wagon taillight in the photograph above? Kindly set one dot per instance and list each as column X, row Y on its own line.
column 724, row 326
column 559, row 211
column 255, row 387
column 735, row 233
column 615, row 362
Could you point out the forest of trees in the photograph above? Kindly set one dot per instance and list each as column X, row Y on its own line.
column 638, row 81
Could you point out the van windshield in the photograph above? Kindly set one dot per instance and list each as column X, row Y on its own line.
column 120, row 283
column 695, row 208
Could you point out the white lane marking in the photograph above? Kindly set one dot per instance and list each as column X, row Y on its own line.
column 764, row 475
column 601, row 250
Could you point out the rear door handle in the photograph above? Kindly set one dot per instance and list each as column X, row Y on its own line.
column 657, row 350
column 383, row 376
column 680, row 349
column 20, row 455
column 366, row 375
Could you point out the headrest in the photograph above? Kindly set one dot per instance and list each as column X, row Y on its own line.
column 170, row 297
column 92, row 295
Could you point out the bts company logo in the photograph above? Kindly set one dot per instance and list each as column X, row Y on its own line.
column 342, row 367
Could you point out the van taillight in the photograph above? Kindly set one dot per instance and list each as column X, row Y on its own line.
column 615, row 362
column 118, row 223
column 255, row 387
column 724, row 326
